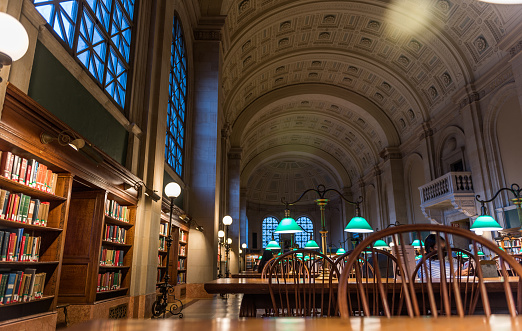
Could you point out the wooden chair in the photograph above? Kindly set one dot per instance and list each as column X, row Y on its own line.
column 376, row 271
column 459, row 272
column 443, row 297
column 266, row 267
column 299, row 284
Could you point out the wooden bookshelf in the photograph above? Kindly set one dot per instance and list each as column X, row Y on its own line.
column 178, row 228
column 72, row 240
column 20, row 127
column 86, row 239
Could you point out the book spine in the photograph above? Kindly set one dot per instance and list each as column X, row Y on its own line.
column 23, row 171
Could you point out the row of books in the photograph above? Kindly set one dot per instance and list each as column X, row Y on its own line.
column 161, row 246
column 111, row 257
column 182, row 264
column 109, row 281
column 115, row 210
column 21, row 286
column 19, row 247
column 160, row 263
column 182, row 278
column 512, row 243
column 182, row 250
column 22, row 208
column 159, row 277
column 27, row 172
column 183, row 236
column 115, row 233
column 163, row 229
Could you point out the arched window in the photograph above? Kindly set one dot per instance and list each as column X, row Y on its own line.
column 269, row 225
column 176, row 113
column 98, row 33
column 301, row 238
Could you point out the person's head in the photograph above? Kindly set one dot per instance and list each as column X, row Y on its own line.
column 267, row 254
column 430, row 243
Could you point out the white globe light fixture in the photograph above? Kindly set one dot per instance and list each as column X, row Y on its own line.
column 221, row 234
column 172, row 190
column 14, row 40
column 227, row 220
column 243, row 245
column 229, row 241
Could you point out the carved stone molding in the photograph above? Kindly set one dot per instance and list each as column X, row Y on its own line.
column 235, row 153
column 390, row 153
column 472, row 97
column 212, row 35
column 513, row 51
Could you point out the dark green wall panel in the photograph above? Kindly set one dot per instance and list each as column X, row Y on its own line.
column 53, row 87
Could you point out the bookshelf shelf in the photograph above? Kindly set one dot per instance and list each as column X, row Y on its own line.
column 27, row 263
column 113, row 221
column 19, row 225
column 44, row 298
column 110, row 243
column 114, row 267
column 11, row 185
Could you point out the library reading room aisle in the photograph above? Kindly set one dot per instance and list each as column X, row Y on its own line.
column 217, row 307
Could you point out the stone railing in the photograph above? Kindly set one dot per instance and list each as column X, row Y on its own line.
column 448, row 184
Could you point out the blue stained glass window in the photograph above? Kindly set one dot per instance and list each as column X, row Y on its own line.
column 301, row 238
column 268, row 227
column 177, row 100
column 101, row 41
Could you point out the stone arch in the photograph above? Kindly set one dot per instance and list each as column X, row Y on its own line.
column 491, row 135
column 450, row 151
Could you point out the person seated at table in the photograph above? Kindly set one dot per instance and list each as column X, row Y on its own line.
column 267, row 256
column 433, row 263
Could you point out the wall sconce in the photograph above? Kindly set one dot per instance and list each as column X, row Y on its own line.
column 13, row 43
column 63, row 139
column 151, row 193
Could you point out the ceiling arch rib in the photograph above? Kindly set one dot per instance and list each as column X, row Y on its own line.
column 379, row 85
column 288, row 179
column 356, row 160
column 340, row 137
column 464, row 32
column 309, row 154
column 359, row 105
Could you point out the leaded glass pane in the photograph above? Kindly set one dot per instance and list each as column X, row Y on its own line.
column 102, row 40
column 268, row 227
column 177, row 100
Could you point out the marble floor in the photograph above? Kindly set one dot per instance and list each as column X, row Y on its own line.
column 217, row 307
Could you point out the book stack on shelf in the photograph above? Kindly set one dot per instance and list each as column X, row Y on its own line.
column 182, row 257
column 162, row 250
column 109, row 281
column 21, row 286
column 27, row 172
column 111, row 257
column 19, row 247
column 32, row 217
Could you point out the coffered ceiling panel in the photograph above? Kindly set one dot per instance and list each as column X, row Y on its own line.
column 324, row 87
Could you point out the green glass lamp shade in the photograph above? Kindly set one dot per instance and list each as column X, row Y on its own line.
column 260, row 258
column 464, row 256
column 272, row 245
column 418, row 257
column 340, row 251
column 481, row 253
column 311, row 244
column 358, row 225
column 381, row 244
column 485, row 223
column 417, row 243
column 288, row 225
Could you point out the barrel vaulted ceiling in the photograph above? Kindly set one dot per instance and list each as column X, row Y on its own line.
column 325, row 86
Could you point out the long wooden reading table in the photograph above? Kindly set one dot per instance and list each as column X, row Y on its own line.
column 475, row 323
column 257, row 294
